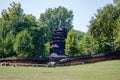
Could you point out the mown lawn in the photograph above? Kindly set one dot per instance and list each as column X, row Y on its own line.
column 107, row 70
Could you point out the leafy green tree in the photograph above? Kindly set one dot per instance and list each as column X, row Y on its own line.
column 79, row 37
column 117, row 23
column 16, row 17
column 117, row 31
column 8, row 45
column 10, row 24
column 38, row 37
column 88, row 45
column 47, row 49
column 23, row 44
column 71, row 44
column 4, row 34
column 79, row 34
column 1, row 44
column 102, row 27
column 17, row 20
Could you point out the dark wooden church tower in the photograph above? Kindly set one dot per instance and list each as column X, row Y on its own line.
column 57, row 45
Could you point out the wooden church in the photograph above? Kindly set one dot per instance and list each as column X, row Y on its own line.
column 57, row 45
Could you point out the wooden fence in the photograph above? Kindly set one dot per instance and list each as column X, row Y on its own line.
column 72, row 60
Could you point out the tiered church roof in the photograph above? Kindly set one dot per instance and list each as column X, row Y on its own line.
column 57, row 45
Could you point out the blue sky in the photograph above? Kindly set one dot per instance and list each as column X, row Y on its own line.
column 83, row 10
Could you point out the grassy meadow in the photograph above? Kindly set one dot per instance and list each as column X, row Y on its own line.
column 107, row 70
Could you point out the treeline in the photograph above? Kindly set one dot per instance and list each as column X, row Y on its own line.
column 103, row 34
column 104, row 30
column 22, row 35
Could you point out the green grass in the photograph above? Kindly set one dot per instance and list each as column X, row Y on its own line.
column 107, row 70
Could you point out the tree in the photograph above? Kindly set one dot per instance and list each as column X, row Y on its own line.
column 102, row 27
column 117, row 23
column 23, row 44
column 8, row 45
column 54, row 17
column 5, row 35
column 2, row 54
column 71, row 45
column 38, row 37
column 89, row 45
column 79, row 37
column 10, row 25
column 47, row 49
column 79, row 34
column 117, row 31
column 16, row 17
